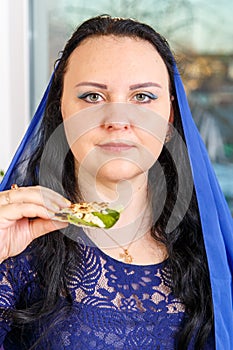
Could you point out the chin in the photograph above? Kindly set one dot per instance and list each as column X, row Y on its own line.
column 118, row 170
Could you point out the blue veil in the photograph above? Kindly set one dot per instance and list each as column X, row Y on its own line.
column 217, row 224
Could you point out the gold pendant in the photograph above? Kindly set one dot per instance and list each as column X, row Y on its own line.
column 126, row 256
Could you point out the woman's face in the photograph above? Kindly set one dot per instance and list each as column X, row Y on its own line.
column 115, row 103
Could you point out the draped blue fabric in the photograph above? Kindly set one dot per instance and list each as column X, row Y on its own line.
column 217, row 224
column 215, row 216
column 26, row 147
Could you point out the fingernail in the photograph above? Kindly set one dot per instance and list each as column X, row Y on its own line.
column 51, row 214
column 67, row 202
column 59, row 224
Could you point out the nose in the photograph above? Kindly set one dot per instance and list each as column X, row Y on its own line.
column 116, row 125
column 117, row 116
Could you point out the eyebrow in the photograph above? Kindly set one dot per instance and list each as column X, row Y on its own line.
column 142, row 85
column 90, row 83
column 105, row 87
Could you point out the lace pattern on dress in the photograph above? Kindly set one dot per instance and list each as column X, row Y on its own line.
column 121, row 306
column 116, row 305
column 105, row 282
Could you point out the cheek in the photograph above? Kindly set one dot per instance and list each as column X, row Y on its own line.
column 162, row 107
column 80, row 143
column 70, row 105
column 153, row 147
column 78, row 148
column 152, row 135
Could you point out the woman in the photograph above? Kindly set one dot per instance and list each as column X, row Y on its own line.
column 115, row 128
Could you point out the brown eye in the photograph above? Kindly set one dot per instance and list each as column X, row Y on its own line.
column 145, row 97
column 94, row 97
column 140, row 97
column 91, row 97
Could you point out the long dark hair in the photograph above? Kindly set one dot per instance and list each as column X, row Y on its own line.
column 187, row 256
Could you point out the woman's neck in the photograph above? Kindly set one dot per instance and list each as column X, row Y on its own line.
column 133, row 230
column 129, row 195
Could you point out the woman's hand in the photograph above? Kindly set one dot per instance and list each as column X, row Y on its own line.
column 19, row 205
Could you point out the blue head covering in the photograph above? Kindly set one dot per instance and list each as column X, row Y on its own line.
column 215, row 216
column 217, row 224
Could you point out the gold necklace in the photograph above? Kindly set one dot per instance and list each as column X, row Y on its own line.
column 126, row 256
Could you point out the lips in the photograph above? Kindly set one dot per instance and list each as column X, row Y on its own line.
column 116, row 146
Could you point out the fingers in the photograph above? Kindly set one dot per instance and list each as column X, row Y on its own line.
column 5, row 198
column 36, row 195
column 18, row 211
column 17, row 238
column 39, row 227
column 29, row 202
column 17, row 207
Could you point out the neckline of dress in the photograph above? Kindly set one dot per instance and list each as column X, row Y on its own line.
column 128, row 265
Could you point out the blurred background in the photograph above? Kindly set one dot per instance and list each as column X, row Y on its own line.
column 200, row 33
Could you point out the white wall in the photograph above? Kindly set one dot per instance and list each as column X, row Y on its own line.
column 14, row 76
column 40, row 50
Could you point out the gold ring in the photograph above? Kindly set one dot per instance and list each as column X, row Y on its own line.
column 14, row 187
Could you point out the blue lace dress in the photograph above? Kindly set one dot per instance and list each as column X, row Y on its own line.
column 115, row 306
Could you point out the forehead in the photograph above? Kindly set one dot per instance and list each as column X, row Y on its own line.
column 99, row 54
